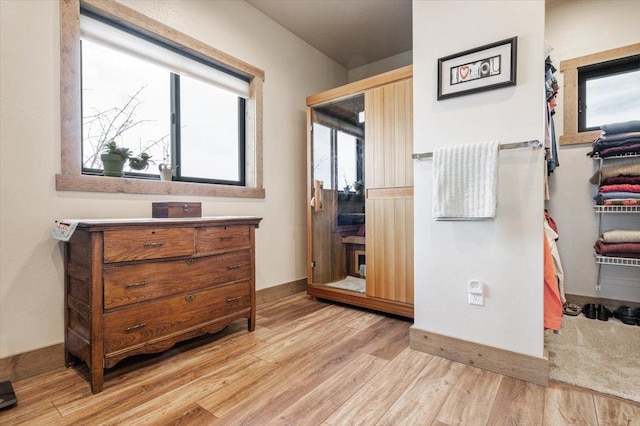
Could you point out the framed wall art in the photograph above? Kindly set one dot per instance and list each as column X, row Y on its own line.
column 477, row 70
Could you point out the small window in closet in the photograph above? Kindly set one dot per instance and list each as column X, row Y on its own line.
column 608, row 92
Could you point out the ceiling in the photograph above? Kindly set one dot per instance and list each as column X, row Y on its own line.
column 351, row 32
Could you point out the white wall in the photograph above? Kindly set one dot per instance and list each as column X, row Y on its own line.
column 577, row 28
column 31, row 269
column 383, row 65
column 505, row 254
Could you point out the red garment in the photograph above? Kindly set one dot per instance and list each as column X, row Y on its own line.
column 552, row 300
column 624, row 202
column 622, row 187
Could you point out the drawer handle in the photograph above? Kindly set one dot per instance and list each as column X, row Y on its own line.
column 140, row 284
column 236, row 266
column 190, row 297
column 233, row 299
column 191, row 261
column 226, row 238
column 153, row 244
column 133, row 327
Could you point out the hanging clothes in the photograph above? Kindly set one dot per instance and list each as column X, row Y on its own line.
column 551, row 91
column 552, row 301
column 551, row 231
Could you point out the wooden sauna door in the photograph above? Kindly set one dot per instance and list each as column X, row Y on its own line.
column 389, row 197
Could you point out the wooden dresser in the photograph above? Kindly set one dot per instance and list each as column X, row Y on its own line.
column 135, row 286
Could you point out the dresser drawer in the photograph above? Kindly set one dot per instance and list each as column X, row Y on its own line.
column 147, row 243
column 154, row 320
column 222, row 238
column 127, row 284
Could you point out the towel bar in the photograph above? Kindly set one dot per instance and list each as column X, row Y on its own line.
column 535, row 144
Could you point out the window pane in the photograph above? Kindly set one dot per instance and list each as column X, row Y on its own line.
column 613, row 99
column 209, row 139
column 347, row 160
column 322, row 155
column 123, row 99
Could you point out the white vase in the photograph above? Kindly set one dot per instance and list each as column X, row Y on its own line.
column 166, row 172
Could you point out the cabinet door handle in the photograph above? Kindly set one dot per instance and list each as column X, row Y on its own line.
column 152, row 244
column 190, row 297
column 133, row 327
column 236, row 266
column 233, row 299
column 226, row 238
column 140, row 284
column 191, row 261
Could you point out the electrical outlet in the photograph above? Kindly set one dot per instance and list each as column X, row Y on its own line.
column 476, row 299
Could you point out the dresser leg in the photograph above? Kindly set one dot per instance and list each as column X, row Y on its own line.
column 97, row 380
column 251, row 323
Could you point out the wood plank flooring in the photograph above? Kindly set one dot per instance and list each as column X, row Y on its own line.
column 307, row 363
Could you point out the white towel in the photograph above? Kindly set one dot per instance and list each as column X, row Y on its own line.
column 465, row 181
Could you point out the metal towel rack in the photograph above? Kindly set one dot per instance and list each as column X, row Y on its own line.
column 535, row 144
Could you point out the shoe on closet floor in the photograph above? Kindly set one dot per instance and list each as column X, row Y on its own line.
column 626, row 314
column 637, row 311
column 571, row 309
column 589, row 310
column 603, row 313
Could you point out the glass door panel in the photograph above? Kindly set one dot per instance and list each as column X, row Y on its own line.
column 338, row 205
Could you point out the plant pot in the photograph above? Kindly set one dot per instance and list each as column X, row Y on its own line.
column 166, row 172
column 113, row 164
column 138, row 164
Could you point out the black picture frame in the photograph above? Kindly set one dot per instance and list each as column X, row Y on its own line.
column 477, row 70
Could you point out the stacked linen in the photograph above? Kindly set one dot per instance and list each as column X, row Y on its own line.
column 618, row 185
column 619, row 243
column 617, row 139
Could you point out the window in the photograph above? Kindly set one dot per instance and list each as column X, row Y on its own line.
column 203, row 114
column 608, row 93
column 337, row 158
column 142, row 96
column 596, row 70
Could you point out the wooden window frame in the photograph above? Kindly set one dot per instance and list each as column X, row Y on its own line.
column 71, row 177
column 570, row 68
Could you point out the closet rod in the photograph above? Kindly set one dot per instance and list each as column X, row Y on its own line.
column 535, row 144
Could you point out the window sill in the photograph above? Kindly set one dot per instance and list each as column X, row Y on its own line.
column 141, row 186
column 577, row 138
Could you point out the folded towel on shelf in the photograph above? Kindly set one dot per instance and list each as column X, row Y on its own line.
column 621, row 236
column 620, row 202
column 601, row 196
column 632, row 169
column 465, row 181
column 621, row 179
column 618, row 249
column 620, row 187
column 622, row 127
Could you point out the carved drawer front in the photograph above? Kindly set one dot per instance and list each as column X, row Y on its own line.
column 161, row 318
column 127, row 284
column 148, row 243
column 222, row 238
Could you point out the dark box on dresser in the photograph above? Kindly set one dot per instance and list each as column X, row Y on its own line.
column 176, row 209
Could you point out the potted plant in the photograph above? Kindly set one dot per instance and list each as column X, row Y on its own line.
column 114, row 158
column 357, row 186
column 140, row 162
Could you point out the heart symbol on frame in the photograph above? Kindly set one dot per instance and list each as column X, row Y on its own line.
column 464, row 71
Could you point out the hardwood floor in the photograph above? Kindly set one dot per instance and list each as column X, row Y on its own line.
column 307, row 363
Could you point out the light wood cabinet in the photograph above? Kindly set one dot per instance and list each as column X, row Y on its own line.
column 376, row 113
column 136, row 286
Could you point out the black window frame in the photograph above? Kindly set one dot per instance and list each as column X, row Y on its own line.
column 602, row 69
column 174, row 87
